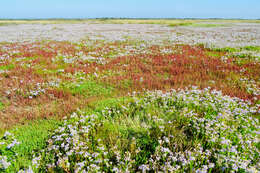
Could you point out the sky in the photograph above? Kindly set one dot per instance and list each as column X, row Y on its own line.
column 31, row 9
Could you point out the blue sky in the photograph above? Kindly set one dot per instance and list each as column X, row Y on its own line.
column 130, row 8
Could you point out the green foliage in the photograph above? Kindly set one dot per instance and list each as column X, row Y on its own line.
column 196, row 24
column 32, row 138
column 87, row 88
column 145, row 132
column 252, row 48
column 208, row 25
column 1, row 106
column 237, row 50
column 187, row 130
column 7, row 67
column 100, row 105
column 226, row 49
column 212, row 54
column 180, row 24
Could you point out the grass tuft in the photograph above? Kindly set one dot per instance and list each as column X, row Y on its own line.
column 32, row 138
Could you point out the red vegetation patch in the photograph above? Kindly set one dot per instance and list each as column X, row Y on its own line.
column 190, row 66
column 182, row 66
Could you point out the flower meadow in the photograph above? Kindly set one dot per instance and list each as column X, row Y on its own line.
column 189, row 130
column 129, row 104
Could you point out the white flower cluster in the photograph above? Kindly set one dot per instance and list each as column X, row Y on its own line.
column 7, row 142
column 69, row 60
column 89, row 58
column 197, row 131
column 4, row 58
column 34, row 93
column 3, row 71
column 54, row 83
column 229, row 133
column 4, row 164
column 251, row 86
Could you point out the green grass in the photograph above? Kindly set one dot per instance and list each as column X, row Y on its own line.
column 125, row 21
column 213, row 54
column 128, row 123
column 208, row 25
column 42, row 71
column 33, row 135
column 252, row 48
column 1, row 106
column 98, row 106
column 43, row 21
column 121, row 127
column 32, row 138
column 7, row 67
column 87, row 88
column 27, row 58
column 241, row 55
column 226, row 49
column 231, row 49
column 3, row 24
column 139, row 126
column 180, row 24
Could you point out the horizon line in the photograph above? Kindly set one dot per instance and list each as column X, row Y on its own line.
column 146, row 18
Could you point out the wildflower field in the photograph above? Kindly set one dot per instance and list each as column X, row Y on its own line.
column 130, row 96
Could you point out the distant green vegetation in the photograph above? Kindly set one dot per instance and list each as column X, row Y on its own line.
column 180, row 24
column 168, row 22
column 242, row 54
column 208, row 25
column 43, row 21
column 195, row 24
column 231, row 49
column 252, row 48
column 3, row 24
column 226, row 49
